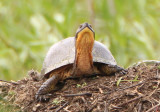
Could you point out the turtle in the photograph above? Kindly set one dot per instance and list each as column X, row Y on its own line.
column 76, row 56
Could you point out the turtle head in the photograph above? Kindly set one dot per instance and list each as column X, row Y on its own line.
column 85, row 28
column 85, row 36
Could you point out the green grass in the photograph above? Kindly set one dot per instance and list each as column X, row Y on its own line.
column 6, row 102
column 129, row 28
column 120, row 80
column 9, row 108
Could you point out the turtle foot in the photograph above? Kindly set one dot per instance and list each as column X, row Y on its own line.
column 43, row 97
column 123, row 71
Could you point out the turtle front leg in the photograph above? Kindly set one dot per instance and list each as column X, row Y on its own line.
column 46, row 87
column 111, row 69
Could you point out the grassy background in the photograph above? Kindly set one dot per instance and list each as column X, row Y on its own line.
column 129, row 28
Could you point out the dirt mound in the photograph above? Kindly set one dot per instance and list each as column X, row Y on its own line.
column 136, row 91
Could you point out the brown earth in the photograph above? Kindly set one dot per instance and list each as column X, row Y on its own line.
column 137, row 91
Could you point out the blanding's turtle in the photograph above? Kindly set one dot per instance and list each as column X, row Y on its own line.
column 75, row 57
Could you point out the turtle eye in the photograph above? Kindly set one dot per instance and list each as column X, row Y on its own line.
column 80, row 26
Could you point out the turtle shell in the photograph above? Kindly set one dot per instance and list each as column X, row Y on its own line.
column 63, row 53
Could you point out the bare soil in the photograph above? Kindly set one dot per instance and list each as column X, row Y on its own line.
column 137, row 91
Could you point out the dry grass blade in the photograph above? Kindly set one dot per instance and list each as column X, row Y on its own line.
column 80, row 94
column 9, row 82
column 154, row 107
column 129, row 101
column 65, row 104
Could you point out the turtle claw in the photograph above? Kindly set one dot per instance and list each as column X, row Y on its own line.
column 124, row 71
column 42, row 97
